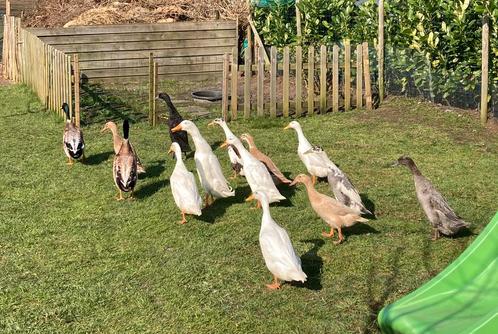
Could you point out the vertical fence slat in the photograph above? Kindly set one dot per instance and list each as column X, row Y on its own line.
column 366, row 70
column 285, row 84
column 311, row 80
column 156, row 88
column 76, row 69
column 299, row 78
column 484, row 70
column 323, row 79
column 380, row 50
column 347, row 75
column 335, row 78
column 234, row 81
column 273, row 82
column 247, row 79
column 151, row 87
column 260, row 81
column 359, row 77
column 224, row 88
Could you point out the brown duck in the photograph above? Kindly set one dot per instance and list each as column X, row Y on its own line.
column 118, row 141
column 333, row 212
column 276, row 174
column 125, row 166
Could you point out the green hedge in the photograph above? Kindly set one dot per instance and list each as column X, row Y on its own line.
column 429, row 43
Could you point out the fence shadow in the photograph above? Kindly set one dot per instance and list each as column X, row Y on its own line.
column 100, row 104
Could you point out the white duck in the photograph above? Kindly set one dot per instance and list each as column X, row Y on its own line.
column 256, row 173
column 233, row 153
column 208, row 167
column 278, row 253
column 183, row 186
column 318, row 164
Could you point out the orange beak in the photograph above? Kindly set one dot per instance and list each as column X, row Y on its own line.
column 250, row 198
column 293, row 183
column 225, row 144
column 170, row 151
column 211, row 123
column 177, row 128
column 287, row 127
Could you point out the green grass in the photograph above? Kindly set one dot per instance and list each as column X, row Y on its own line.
column 73, row 259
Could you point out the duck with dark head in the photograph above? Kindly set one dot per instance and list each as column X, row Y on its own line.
column 441, row 216
column 174, row 118
column 125, row 165
column 72, row 138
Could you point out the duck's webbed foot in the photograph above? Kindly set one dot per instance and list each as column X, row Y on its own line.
column 341, row 237
column 275, row 285
column 328, row 235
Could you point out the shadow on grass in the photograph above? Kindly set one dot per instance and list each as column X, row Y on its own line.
column 97, row 159
column 150, row 189
column 101, row 105
column 369, row 205
column 220, row 205
column 288, row 192
column 375, row 305
column 359, row 229
column 154, row 170
column 312, row 265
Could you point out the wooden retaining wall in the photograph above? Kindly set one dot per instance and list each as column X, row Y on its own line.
column 183, row 50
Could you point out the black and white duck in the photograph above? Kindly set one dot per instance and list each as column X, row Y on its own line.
column 441, row 216
column 125, row 165
column 174, row 118
column 72, row 139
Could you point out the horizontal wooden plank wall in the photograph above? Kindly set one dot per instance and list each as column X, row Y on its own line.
column 182, row 50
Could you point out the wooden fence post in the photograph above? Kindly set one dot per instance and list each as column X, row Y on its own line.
column 151, row 86
column 298, row 25
column 234, row 81
column 366, row 70
column 380, row 51
column 323, row 79
column 359, row 77
column 311, row 80
column 335, row 78
column 273, row 81
column 484, row 70
column 76, row 69
column 299, row 78
column 347, row 75
column 260, row 81
column 156, row 88
column 285, row 85
column 247, row 80
column 224, row 87
column 7, row 7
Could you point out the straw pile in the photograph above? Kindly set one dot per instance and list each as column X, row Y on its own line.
column 58, row 13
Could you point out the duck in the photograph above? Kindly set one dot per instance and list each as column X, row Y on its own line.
column 118, row 141
column 334, row 213
column 233, row 153
column 318, row 164
column 208, row 167
column 183, row 186
column 441, row 216
column 174, row 118
column 276, row 247
column 125, row 165
column 256, row 173
column 72, row 139
column 276, row 174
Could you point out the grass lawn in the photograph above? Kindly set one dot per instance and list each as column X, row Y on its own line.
column 73, row 259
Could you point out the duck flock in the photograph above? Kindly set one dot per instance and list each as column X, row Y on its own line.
column 343, row 210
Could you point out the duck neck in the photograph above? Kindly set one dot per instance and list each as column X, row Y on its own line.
column 414, row 169
column 200, row 143
column 226, row 129
column 179, row 161
column 244, row 154
column 251, row 144
column 304, row 144
column 265, row 206
column 115, row 136
column 310, row 188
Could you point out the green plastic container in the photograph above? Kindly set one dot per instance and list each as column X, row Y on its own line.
column 463, row 298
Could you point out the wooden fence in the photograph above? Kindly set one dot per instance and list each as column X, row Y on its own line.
column 48, row 71
column 182, row 50
column 334, row 78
